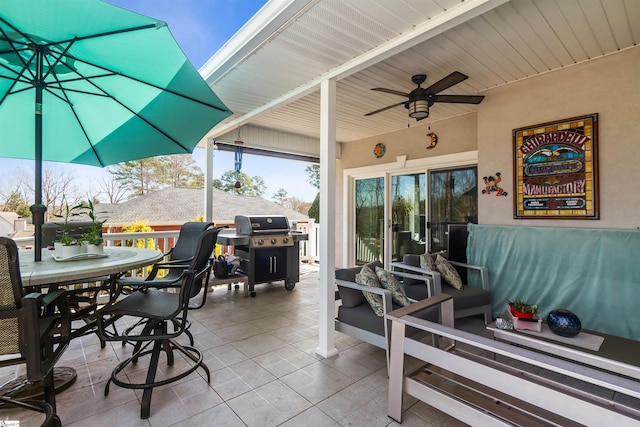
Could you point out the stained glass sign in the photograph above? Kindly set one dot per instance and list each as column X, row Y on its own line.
column 556, row 171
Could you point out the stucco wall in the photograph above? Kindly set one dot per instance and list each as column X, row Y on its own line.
column 454, row 135
column 608, row 86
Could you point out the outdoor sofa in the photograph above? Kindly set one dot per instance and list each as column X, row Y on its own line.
column 468, row 301
column 356, row 318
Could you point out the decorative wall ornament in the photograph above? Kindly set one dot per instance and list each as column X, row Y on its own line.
column 379, row 150
column 432, row 139
column 556, row 169
column 238, row 161
column 491, row 185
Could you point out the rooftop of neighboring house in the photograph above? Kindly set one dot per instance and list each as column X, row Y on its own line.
column 178, row 205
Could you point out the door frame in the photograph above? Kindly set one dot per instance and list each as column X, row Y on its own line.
column 402, row 165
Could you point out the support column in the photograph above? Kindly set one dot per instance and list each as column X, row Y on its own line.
column 208, row 180
column 326, row 336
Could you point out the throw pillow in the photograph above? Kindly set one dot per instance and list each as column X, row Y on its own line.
column 367, row 277
column 426, row 262
column 390, row 283
column 448, row 272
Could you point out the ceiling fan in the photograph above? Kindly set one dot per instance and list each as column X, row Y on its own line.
column 421, row 99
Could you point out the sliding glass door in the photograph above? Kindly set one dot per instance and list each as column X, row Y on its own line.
column 369, row 220
column 408, row 221
column 407, row 210
column 453, row 198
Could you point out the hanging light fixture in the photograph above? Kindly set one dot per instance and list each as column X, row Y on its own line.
column 419, row 99
column 418, row 109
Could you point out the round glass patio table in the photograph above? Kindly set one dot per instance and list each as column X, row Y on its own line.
column 49, row 272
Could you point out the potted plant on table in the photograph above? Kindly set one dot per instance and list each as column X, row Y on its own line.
column 93, row 237
column 522, row 309
column 67, row 246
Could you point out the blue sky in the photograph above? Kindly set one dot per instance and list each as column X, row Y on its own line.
column 201, row 27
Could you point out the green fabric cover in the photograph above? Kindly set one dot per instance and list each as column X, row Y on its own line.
column 595, row 273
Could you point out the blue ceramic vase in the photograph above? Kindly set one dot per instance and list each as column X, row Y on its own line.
column 564, row 323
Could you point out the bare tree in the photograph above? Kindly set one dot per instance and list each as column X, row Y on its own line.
column 112, row 188
column 57, row 185
column 297, row 205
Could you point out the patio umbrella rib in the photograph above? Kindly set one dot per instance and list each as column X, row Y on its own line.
column 114, row 99
column 135, row 79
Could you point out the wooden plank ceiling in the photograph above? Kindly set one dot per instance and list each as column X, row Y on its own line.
column 382, row 43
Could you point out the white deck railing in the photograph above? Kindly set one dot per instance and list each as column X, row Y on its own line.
column 164, row 240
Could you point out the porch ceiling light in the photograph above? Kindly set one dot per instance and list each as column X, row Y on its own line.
column 418, row 109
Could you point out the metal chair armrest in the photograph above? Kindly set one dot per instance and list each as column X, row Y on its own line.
column 484, row 272
column 386, row 294
column 434, row 276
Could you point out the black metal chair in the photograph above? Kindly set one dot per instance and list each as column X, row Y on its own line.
column 161, row 317
column 176, row 260
column 34, row 329
column 179, row 259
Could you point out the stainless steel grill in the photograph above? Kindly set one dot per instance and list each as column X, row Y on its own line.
column 264, row 231
column 268, row 250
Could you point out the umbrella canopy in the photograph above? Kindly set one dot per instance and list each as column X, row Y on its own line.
column 83, row 81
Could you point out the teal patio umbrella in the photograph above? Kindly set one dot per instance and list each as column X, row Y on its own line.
column 83, row 81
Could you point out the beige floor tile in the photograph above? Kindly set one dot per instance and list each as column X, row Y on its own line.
column 312, row 417
column 220, row 415
column 258, row 344
column 317, row 382
column 268, row 405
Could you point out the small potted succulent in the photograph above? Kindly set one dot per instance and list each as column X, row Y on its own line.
column 93, row 237
column 522, row 309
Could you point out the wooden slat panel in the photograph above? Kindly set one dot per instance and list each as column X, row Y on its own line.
column 560, row 24
column 597, row 18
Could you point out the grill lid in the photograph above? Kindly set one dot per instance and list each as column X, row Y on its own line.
column 261, row 224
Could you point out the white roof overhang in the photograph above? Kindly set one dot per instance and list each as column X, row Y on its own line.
column 269, row 73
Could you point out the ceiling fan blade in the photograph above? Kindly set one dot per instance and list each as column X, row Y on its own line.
column 445, row 83
column 391, row 91
column 385, row 108
column 459, row 99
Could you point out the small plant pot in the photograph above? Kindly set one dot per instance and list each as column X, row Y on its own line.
column 95, row 249
column 520, row 314
column 64, row 252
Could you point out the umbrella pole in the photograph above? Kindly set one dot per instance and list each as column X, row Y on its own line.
column 38, row 209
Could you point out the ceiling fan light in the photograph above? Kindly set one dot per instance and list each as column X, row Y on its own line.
column 419, row 109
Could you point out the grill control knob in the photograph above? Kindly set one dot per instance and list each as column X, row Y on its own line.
column 274, row 241
column 260, row 242
column 285, row 240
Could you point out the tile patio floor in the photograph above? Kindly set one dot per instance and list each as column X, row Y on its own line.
column 264, row 372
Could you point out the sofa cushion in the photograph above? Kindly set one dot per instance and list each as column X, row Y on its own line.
column 363, row 317
column 417, row 292
column 368, row 277
column 352, row 297
column 468, row 296
column 390, row 283
column 414, row 261
column 448, row 272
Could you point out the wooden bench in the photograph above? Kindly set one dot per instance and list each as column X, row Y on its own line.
column 482, row 381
